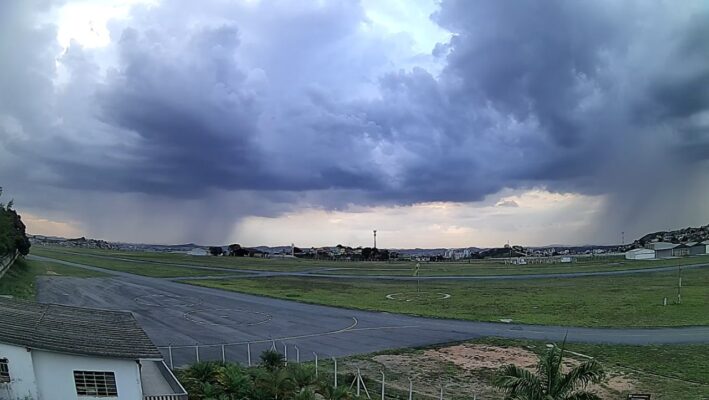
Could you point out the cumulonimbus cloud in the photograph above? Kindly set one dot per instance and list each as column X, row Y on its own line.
column 301, row 102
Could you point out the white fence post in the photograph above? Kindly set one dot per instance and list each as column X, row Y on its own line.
column 383, row 378
column 411, row 389
column 223, row 355
column 248, row 352
column 297, row 354
column 357, row 381
column 196, row 351
column 335, row 360
column 169, row 352
column 285, row 352
column 316, row 364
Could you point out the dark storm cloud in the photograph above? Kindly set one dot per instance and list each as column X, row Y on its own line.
column 300, row 104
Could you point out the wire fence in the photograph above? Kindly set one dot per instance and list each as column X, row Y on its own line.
column 325, row 365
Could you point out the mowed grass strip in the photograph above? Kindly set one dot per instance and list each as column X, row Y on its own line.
column 600, row 264
column 622, row 301
column 19, row 281
column 137, row 267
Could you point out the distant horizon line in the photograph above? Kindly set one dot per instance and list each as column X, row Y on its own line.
column 307, row 247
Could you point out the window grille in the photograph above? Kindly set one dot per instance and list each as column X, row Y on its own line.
column 4, row 371
column 95, row 383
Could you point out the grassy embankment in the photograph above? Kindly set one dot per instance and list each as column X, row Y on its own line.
column 598, row 301
column 19, row 281
column 668, row 372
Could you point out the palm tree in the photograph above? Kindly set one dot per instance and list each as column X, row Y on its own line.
column 274, row 384
column 235, row 381
column 205, row 371
column 329, row 392
column 305, row 394
column 207, row 391
column 201, row 379
column 303, row 375
column 550, row 382
column 272, row 360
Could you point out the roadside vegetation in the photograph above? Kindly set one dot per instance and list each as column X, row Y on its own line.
column 481, row 369
column 619, row 301
column 272, row 379
column 20, row 280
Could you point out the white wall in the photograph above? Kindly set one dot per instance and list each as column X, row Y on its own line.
column 55, row 375
column 640, row 255
column 22, row 381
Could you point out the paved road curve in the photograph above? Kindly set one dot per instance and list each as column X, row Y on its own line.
column 182, row 315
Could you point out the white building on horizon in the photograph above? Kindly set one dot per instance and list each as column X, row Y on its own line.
column 640, row 254
column 55, row 352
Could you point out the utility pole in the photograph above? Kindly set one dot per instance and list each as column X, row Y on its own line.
column 375, row 238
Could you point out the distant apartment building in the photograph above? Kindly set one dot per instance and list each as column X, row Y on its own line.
column 54, row 352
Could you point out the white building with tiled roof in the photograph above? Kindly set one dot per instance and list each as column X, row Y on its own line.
column 50, row 352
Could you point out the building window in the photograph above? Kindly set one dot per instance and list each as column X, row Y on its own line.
column 4, row 371
column 96, row 384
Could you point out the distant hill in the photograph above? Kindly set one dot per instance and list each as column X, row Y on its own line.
column 682, row 235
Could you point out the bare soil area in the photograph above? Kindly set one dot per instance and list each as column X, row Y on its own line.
column 466, row 370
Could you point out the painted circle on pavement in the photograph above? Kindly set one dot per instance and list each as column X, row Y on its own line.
column 409, row 296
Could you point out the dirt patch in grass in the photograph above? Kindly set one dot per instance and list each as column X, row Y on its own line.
column 473, row 356
column 469, row 368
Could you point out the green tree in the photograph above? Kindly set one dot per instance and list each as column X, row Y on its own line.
column 303, row 375
column 329, row 392
column 13, row 235
column 235, row 381
column 272, row 360
column 305, row 394
column 274, row 384
column 550, row 382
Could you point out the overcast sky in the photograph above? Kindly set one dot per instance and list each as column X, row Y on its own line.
column 451, row 123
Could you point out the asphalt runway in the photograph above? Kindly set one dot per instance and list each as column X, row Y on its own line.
column 181, row 316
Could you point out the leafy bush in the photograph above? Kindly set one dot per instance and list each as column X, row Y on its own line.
column 272, row 380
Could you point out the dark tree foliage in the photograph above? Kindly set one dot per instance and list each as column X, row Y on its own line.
column 235, row 250
column 13, row 235
column 271, row 380
column 216, row 250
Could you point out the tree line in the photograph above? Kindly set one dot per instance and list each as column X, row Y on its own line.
column 13, row 236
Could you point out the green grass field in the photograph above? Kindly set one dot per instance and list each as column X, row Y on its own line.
column 19, row 281
column 151, row 258
column 598, row 301
column 138, row 268
column 668, row 372
column 476, row 267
